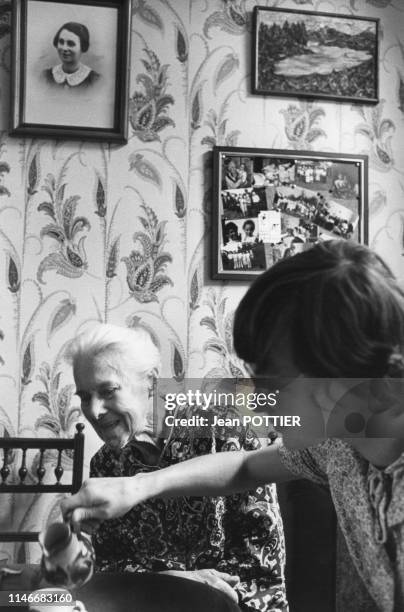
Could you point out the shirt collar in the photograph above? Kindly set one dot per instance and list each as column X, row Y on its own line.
column 73, row 79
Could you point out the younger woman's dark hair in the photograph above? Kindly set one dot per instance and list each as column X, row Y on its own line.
column 337, row 304
column 79, row 30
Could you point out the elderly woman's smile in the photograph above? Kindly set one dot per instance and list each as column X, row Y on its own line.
column 116, row 407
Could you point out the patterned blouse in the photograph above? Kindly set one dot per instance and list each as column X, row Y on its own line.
column 370, row 508
column 240, row 534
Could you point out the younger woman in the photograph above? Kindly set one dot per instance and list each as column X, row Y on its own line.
column 328, row 326
column 71, row 41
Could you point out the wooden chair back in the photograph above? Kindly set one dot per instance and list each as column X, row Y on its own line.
column 60, row 445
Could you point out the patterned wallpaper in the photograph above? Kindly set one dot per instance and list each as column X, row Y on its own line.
column 121, row 233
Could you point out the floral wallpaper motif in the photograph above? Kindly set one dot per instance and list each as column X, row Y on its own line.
column 220, row 323
column 380, row 133
column 233, row 18
column 302, row 125
column 93, row 232
column 59, row 416
column 70, row 258
column 146, row 267
column 148, row 108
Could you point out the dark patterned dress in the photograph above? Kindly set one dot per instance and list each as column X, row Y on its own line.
column 239, row 534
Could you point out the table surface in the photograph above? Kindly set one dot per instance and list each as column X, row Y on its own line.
column 129, row 592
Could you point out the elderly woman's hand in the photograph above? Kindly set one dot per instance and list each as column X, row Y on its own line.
column 103, row 498
column 218, row 580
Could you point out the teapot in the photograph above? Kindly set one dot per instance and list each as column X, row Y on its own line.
column 68, row 557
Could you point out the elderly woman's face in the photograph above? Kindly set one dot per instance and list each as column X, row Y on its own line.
column 69, row 47
column 116, row 408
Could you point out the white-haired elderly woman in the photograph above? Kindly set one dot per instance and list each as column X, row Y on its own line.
column 234, row 544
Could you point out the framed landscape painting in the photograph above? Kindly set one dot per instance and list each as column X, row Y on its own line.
column 70, row 69
column 315, row 55
column 270, row 204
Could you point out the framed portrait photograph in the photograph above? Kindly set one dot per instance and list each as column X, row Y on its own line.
column 269, row 204
column 315, row 55
column 70, row 68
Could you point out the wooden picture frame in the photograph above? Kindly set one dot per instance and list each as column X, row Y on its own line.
column 315, row 55
column 57, row 93
column 273, row 203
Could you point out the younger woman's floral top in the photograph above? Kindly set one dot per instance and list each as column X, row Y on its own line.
column 369, row 503
column 239, row 534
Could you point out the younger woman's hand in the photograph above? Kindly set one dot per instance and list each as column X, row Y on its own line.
column 100, row 499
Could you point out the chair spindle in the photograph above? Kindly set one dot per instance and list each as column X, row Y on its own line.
column 23, row 471
column 41, row 470
column 5, row 470
column 58, row 469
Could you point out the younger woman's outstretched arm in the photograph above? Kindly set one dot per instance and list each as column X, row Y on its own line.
column 211, row 475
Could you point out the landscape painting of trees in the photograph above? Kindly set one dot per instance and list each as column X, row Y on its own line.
column 316, row 55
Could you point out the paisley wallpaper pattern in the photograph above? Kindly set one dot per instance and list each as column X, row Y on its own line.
column 121, row 234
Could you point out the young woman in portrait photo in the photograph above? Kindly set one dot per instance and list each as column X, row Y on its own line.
column 71, row 41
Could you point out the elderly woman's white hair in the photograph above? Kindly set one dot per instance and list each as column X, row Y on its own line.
column 129, row 351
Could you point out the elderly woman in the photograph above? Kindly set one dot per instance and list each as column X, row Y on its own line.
column 320, row 320
column 233, row 544
column 71, row 41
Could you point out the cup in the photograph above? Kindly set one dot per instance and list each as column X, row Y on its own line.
column 42, row 597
